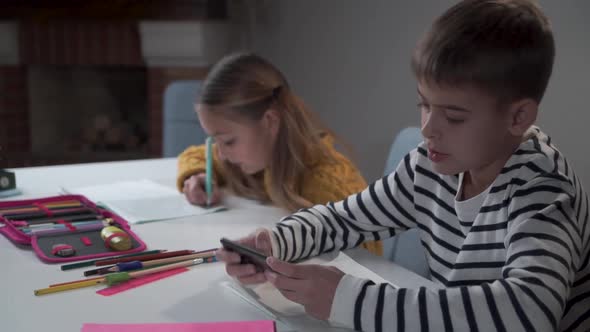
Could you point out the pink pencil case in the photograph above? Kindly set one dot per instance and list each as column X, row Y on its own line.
column 66, row 228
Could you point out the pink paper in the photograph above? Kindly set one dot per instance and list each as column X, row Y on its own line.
column 244, row 326
column 115, row 289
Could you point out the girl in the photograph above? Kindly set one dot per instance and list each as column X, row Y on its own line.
column 269, row 146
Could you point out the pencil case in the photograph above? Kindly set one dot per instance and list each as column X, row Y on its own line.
column 67, row 228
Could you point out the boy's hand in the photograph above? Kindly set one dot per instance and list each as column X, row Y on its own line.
column 247, row 273
column 313, row 286
column 194, row 190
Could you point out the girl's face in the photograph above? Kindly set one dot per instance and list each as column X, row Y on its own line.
column 248, row 144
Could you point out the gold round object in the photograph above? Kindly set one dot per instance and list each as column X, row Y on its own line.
column 116, row 238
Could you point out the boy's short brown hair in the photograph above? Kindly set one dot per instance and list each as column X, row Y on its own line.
column 504, row 47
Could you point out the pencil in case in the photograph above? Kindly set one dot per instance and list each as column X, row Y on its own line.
column 67, row 228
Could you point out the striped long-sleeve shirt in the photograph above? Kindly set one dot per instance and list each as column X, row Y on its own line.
column 522, row 264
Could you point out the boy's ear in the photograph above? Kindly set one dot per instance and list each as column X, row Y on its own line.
column 523, row 114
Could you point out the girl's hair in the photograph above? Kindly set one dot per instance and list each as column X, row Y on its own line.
column 245, row 86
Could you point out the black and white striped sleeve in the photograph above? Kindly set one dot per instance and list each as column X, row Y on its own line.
column 381, row 210
column 543, row 253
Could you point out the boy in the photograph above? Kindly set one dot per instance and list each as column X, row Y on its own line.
column 502, row 215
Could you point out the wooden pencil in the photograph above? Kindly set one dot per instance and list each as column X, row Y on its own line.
column 145, row 258
column 71, row 266
column 79, row 217
column 75, row 281
column 42, row 214
column 136, row 265
column 114, row 278
column 46, row 205
column 69, row 286
column 165, row 268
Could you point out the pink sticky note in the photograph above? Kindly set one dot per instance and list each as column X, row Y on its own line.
column 242, row 326
column 133, row 283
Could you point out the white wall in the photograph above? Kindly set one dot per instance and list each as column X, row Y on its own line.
column 565, row 110
column 349, row 60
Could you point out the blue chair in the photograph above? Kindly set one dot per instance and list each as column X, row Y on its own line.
column 405, row 249
column 181, row 126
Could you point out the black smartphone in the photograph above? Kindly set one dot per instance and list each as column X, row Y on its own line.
column 249, row 255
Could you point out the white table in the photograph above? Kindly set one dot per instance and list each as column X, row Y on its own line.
column 193, row 296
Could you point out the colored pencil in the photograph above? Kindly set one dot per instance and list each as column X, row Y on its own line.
column 46, row 205
column 75, row 281
column 82, row 228
column 114, row 278
column 145, row 258
column 98, row 271
column 9, row 211
column 69, row 218
column 69, row 286
column 39, row 227
column 92, row 262
column 43, row 214
column 166, row 267
column 25, row 224
column 136, row 265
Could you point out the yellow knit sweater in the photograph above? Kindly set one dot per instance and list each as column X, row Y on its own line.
column 325, row 182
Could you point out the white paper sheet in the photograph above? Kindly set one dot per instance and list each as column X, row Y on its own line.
column 123, row 190
column 272, row 298
column 269, row 300
column 244, row 295
column 142, row 201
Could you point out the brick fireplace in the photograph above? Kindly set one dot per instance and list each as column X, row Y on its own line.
column 76, row 91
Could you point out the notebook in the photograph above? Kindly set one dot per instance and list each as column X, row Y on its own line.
column 142, row 201
column 242, row 326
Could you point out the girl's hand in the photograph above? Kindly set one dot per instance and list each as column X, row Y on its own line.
column 247, row 273
column 194, row 190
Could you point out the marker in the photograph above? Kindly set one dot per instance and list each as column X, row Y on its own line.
column 208, row 170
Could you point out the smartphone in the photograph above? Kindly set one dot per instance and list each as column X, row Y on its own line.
column 249, row 255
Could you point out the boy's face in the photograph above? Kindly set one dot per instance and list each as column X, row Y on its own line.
column 464, row 129
column 247, row 144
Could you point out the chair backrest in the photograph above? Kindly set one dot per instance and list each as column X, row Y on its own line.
column 405, row 249
column 404, row 142
column 181, row 126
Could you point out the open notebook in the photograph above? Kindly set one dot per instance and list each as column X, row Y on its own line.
column 141, row 200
